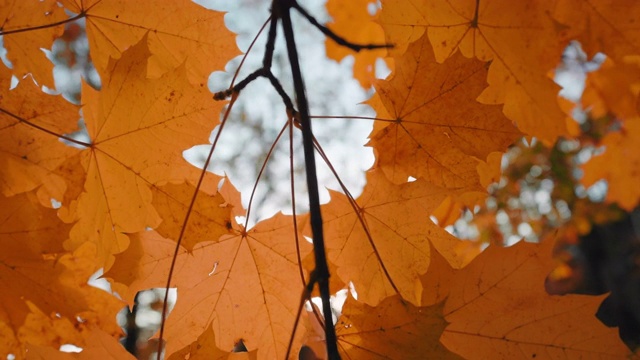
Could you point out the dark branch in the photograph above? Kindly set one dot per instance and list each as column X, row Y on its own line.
column 320, row 275
column 282, row 9
column 271, row 43
column 333, row 36
column 285, row 98
column 221, row 95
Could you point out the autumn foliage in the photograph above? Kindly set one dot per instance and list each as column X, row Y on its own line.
column 469, row 78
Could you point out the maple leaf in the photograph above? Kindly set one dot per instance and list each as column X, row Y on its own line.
column 402, row 22
column 498, row 306
column 144, row 263
column 179, row 31
column 389, row 253
column 28, row 155
column 210, row 216
column 100, row 346
column 490, row 171
column 24, row 272
column 613, row 88
column 439, row 130
column 41, row 280
column 520, row 39
column 601, row 26
column 25, row 34
column 391, row 330
column 244, row 286
column 205, row 349
column 353, row 19
column 164, row 117
column 102, row 306
column 619, row 165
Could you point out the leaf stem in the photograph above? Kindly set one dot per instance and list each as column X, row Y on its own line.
column 358, row 211
column 36, row 126
column 186, row 221
column 305, row 293
column 244, row 57
column 45, row 26
column 262, row 168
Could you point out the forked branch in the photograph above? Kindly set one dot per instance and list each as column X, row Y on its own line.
column 281, row 11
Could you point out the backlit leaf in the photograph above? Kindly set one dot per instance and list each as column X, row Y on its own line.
column 178, row 31
column 127, row 158
column 440, row 131
column 498, row 307
column 24, row 37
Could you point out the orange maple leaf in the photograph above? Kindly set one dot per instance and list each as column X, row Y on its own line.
column 610, row 27
column 179, row 32
column 353, row 21
column 28, row 155
column 440, row 131
column 99, row 346
column 520, row 38
column 244, row 286
column 24, row 272
column 25, row 34
column 209, row 219
column 613, row 89
column 619, row 165
column 498, row 307
column 391, row 330
column 163, row 117
column 46, row 290
column 391, row 250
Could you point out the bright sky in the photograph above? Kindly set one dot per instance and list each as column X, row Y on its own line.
column 331, row 91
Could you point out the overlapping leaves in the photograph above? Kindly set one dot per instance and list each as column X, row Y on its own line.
column 124, row 196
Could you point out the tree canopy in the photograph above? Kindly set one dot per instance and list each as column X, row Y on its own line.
column 469, row 81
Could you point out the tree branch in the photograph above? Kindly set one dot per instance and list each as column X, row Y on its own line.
column 333, row 36
column 281, row 9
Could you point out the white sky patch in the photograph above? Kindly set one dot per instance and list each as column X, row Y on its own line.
column 259, row 115
column 70, row 348
column 96, row 281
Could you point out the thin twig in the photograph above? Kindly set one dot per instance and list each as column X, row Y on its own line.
column 271, row 43
column 305, row 294
column 262, row 168
column 350, row 117
column 186, row 221
column 285, row 98
column 358, row 211
column 221, row 95
column 301, row 119
column 244, row 57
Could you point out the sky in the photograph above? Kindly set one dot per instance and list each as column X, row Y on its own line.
column 259, row 114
